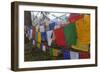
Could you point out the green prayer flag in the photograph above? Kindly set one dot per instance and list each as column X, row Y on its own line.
column 70, row 34
column 51, row 51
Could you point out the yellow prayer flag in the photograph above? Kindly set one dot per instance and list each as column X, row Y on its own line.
column 83, row 29
column 39, row 39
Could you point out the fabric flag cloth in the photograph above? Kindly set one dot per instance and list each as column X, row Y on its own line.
column 44, row 48
column 36, row 38
column 81, row 47
column 42, row 29
column 70, row 34
column 74, row 55
column 49, row 37
column 53, row 36
column 55, row 52
column 43, row 36
column 43, row 33
column 52, row 25
column 84, row 55
column 66, row 54
column 83, row 33
column 39, row 39
column 51, row 51
column 33, row 42
column 30, row 34
column 33, row 32
column 74, row 16
column 37, row 28
column 60, row 38
column 83, row 29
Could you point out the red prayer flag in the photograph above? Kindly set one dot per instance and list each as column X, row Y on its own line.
column 73, row 17
column 33, row 32
column 84, row 55
column 60, row 38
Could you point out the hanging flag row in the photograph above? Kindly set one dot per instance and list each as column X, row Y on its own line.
column 75, row 34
